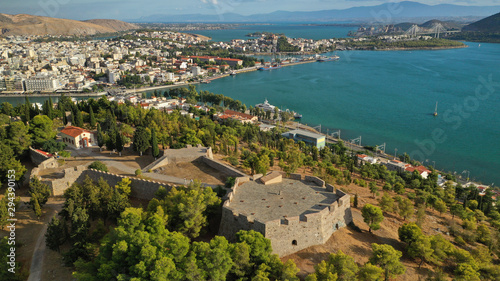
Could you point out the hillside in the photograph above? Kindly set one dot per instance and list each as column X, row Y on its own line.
column 35, row 25
column 113, row 24
column 446, row 24
column 489, row 25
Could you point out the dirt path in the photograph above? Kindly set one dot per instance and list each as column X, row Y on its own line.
column 37, row 259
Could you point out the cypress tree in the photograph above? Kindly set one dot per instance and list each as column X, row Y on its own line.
column 100, row 137
column 79, row 118
column 154, row 144
column 27, row 109
column 92, row 117
column 51, row 108
column 119, row 142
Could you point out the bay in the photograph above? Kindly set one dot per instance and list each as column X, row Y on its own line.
column 315, row 32
column 389, row 97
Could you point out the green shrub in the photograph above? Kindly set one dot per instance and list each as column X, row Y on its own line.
column 98, row 165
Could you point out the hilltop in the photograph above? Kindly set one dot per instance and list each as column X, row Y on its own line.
column 490, row 25
column 23, row 24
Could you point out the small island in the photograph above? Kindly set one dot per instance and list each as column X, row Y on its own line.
column 422, row 43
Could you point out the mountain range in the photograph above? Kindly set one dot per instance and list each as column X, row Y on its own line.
column 35, row 25
column 386, row 13
column 489, row 25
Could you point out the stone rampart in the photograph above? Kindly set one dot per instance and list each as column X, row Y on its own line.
column 140, row 188
column 230, row 171
column 316, row 180
column 291, row 234
column 37, row 157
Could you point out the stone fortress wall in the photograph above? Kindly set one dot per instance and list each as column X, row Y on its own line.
column 290, row 234
column 140, row 188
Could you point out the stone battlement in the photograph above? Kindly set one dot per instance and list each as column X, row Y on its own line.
column 244, row 210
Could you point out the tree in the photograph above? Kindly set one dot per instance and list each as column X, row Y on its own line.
column 27, row 110
column 36, row 207
column 186, row 208
column 370, row 272
column 372, row 216
column 465, row 272
column 339, row 265
column 141, row 140
column 79, row 118
column 387, row 258
column 119, row 142
column 41, row 130
column 420, row 215
column 440, row 206
column 355, row 203
column 18, row 137
column 100, row 137
column 98, row 165
column 456, row 210
column 373, row 188
column 7, row 109
column 386, row 203
column 409, row 233
column 260, row 247
column 405, row 207
column 154, row 144
column 39, row 192
column 92, row 120
column 55, row 235
column 421, row 248
column 290, row 271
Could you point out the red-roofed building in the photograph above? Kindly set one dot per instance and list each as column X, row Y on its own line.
column 235, row 115
column 77, row 137
column 423, row 171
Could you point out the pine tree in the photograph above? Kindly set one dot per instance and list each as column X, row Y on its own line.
column 92, row 117
column 55, row 235
column 154, row 144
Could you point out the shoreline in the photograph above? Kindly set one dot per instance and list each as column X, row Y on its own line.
column 22, row 95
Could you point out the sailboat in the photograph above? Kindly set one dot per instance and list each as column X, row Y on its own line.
column 436, row 110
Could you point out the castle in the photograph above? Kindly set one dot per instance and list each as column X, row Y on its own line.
column 293, row 213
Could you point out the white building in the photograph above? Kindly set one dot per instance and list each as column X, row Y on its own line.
column 77, row 137
column 113, row 77
column 42, row 84
column 196, row 70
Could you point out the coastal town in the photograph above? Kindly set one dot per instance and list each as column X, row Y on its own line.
column 149, row 58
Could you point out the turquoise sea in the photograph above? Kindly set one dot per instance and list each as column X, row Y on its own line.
column 315, row 32
column 389, row 97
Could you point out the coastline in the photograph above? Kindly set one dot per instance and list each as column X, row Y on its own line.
column 418, row 49
column 22, row 94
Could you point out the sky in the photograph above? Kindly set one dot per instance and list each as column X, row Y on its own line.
column 135, row 9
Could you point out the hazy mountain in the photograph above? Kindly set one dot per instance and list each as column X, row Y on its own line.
column 490, row 24
column 377, row 13
column 113, row 24
column 35, row 25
